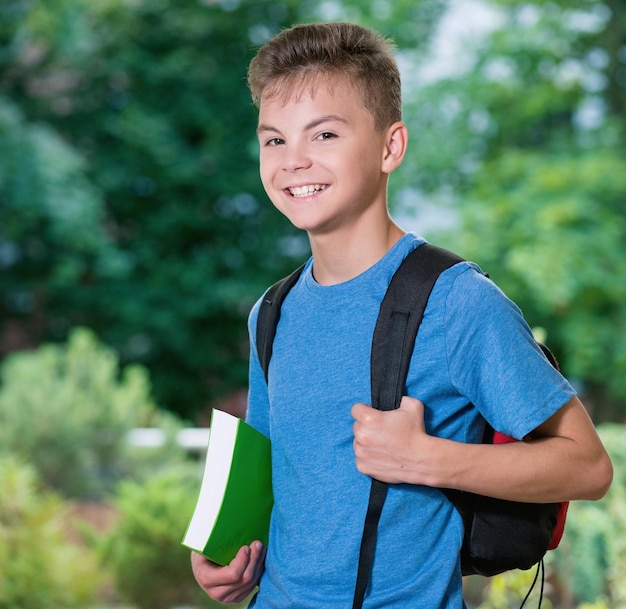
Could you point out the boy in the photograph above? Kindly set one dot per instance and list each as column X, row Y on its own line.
column 330, row 134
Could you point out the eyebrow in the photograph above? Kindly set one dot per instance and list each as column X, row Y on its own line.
column 316, row 122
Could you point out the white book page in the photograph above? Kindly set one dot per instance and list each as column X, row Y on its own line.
column 222, row 436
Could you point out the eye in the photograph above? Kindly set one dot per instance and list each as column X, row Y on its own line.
column 274, row 141
column 327, row 135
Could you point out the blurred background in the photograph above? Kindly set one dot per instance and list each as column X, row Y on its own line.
column 135, row 236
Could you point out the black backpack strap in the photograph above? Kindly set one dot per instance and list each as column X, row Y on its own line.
column 269, row 314
column 400, row 315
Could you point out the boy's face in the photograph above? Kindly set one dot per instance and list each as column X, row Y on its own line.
column 321, row 158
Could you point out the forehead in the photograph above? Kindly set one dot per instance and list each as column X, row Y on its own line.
column 293, row 89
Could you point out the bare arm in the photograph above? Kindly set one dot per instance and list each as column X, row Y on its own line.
column 234, row 582
column 564, row 460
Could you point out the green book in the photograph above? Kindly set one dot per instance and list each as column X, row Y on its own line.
column 235, row 500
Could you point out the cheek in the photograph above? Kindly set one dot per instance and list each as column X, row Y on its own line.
column 265, row 176
column 267, row 168
column 267, row 179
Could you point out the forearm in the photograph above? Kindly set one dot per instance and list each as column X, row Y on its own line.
column 538, row 471
column 566, row 460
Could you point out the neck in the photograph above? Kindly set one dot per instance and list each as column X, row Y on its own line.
column 339, row 257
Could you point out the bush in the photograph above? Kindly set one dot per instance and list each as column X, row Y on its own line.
column 151, row 568
column 582, row 561
column 40, row 568
column 588, row 566
column 591, row 560
column 509, row 590
column 67, row 409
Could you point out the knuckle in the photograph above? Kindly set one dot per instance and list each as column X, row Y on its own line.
column 247, row 578
column 368, row 416
column 218, row 594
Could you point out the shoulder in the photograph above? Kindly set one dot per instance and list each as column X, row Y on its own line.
column 253, row 316
column 465, row 291
column 276, row 293
column 475, row 315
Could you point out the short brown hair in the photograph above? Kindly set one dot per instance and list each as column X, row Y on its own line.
column 305, row 51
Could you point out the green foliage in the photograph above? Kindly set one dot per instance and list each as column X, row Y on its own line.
column 588, row 566
column 51, row 234
column 599, row 604
column 591, row 559
column 67, row 410
column 525, row 142
column 614, row 437
column 40, row 568
column 151, row 568
column 130, row 129
column 48, row 202
column 509, row 590
column 583, row 561
column 151, row 102
column 551, row 235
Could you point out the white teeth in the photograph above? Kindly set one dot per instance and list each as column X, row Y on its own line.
column 305, row 191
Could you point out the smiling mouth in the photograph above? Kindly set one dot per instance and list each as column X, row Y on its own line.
column 306, row 191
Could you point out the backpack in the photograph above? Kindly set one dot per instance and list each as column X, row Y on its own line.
column 499, row 535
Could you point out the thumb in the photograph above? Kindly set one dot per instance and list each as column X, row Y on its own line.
column 412, row 405
column 358, row 411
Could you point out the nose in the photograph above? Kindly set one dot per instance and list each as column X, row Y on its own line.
column 296, row 158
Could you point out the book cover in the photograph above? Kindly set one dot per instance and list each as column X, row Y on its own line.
column 235, row 499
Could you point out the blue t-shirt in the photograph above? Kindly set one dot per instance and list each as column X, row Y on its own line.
column 473, row 347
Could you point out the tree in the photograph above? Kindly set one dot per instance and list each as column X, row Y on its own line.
column 529, row 152
column 34, row 546
column 52, row 235
column 150, row 101
column 68, row 409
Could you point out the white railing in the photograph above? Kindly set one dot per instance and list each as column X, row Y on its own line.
column 190, row 438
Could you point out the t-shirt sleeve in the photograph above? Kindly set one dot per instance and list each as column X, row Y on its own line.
column 494, row 360
column 258, row 402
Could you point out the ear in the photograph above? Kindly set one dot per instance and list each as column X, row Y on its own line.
column 396, row 140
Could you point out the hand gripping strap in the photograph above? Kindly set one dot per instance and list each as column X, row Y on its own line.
column 400, row 315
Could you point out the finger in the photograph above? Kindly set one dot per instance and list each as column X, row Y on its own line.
column 359, row 409
column 255, row 563
column 240, row 563
column 411, row 404
column 205, row 571
column 250, row 576
column 223, row 584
